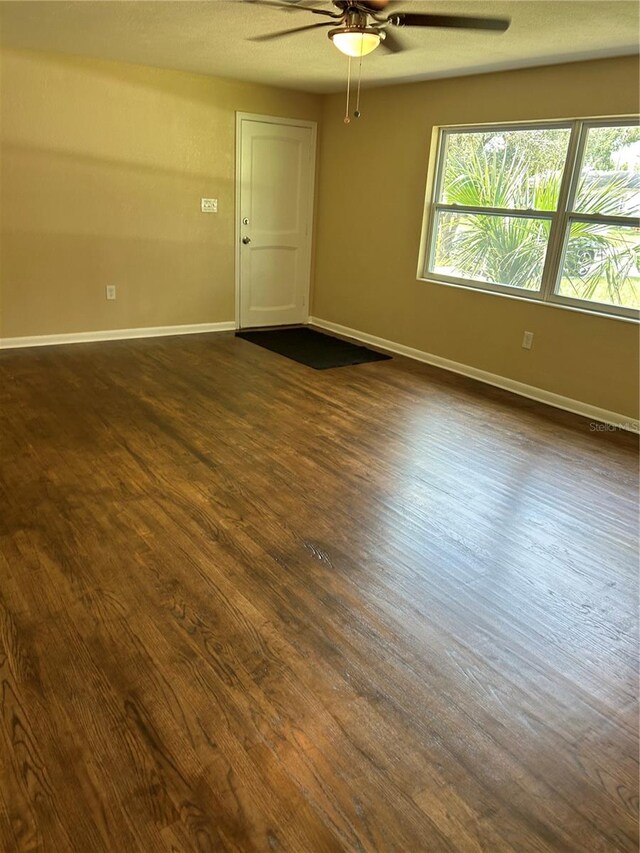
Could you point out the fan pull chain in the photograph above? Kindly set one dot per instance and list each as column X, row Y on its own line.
column 347, row 118
column 356, row 113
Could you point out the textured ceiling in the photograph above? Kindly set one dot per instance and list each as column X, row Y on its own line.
column 213, row 38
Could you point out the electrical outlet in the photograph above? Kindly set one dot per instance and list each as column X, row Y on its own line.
column 111, row 291
column 527, row 340
column 209, row 205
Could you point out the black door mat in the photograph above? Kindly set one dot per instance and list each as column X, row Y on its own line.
column 312, row 348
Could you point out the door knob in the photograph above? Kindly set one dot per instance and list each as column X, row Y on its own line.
column 246, row 240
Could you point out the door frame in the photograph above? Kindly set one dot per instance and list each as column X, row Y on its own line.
column 291, row 122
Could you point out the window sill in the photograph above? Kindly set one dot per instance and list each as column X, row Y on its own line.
column 529, row 300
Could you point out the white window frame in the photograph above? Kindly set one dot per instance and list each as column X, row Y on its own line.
column 560, row 219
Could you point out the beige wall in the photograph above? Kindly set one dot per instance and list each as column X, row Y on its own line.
column 104, row 164
column 371, row 195
column 103, row 168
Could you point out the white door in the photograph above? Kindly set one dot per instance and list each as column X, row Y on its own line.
column 276, row 168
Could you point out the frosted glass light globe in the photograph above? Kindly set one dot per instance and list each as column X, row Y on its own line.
column 355, row 42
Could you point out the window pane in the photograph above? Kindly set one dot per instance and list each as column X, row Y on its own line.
column 487, row 247
column 508, row 169
column 610, row 174
column 602, row 263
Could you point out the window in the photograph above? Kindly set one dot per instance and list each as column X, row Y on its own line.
column 549, row 212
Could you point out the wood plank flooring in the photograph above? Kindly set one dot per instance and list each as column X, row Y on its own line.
column 246, row 605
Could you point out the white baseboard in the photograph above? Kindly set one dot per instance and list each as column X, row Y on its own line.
column 533, row 393
column 115, row 335
column 594, row 413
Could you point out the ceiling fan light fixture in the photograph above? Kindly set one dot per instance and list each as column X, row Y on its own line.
column 354, row 41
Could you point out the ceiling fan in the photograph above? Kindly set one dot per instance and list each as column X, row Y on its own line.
column 360, row 26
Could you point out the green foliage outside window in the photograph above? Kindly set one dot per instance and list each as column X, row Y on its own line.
column 523, row 169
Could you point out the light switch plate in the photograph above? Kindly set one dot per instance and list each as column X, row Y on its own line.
column 209, row 205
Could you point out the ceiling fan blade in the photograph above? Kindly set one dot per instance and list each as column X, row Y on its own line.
column 291, row 7
column 391, row 43
column 281, row 33
column 464, row 22
column 374, row 5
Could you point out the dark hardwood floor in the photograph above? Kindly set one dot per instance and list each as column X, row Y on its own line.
column 246, row 605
